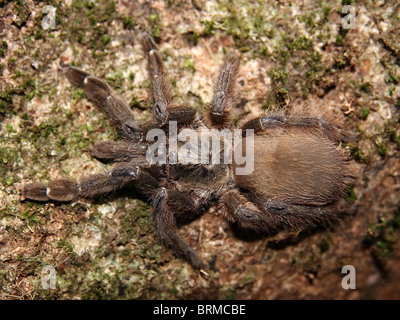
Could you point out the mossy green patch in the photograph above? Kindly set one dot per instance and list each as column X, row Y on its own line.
column 381, row 235
column 188, row 64
column 364, row 112
column 351, row 196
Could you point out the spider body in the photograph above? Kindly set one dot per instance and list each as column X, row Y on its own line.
column 298, row 172
column 302, row 169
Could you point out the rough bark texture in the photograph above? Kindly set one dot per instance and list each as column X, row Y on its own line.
column 293, row 55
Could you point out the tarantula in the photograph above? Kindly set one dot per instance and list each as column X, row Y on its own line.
column 299, row 171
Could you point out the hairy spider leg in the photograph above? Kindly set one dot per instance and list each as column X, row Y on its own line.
column 93, row 186
column 121, row 151
column 224, row 96
column 168, row 204
column 160, row 90
column 274, row 215
column 279, row 120
column 101, row 95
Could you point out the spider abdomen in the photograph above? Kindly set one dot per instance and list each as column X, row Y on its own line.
column 299, row 169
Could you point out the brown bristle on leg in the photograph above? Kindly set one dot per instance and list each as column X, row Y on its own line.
column 62, row 190
column 35, row 191
column 219, row 121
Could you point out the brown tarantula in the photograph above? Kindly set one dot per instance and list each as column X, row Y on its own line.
column 299, row 172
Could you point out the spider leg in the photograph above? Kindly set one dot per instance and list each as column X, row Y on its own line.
column 102, row 96
column 298, row 215
column 120, row 151
column 238, row 209
column 161, row 99
column 224, row 91
column 168, row 204
column 275, row 120
column 275, row 215
column 93, row 186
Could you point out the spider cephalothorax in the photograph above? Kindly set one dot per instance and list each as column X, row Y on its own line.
column 297, row 176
